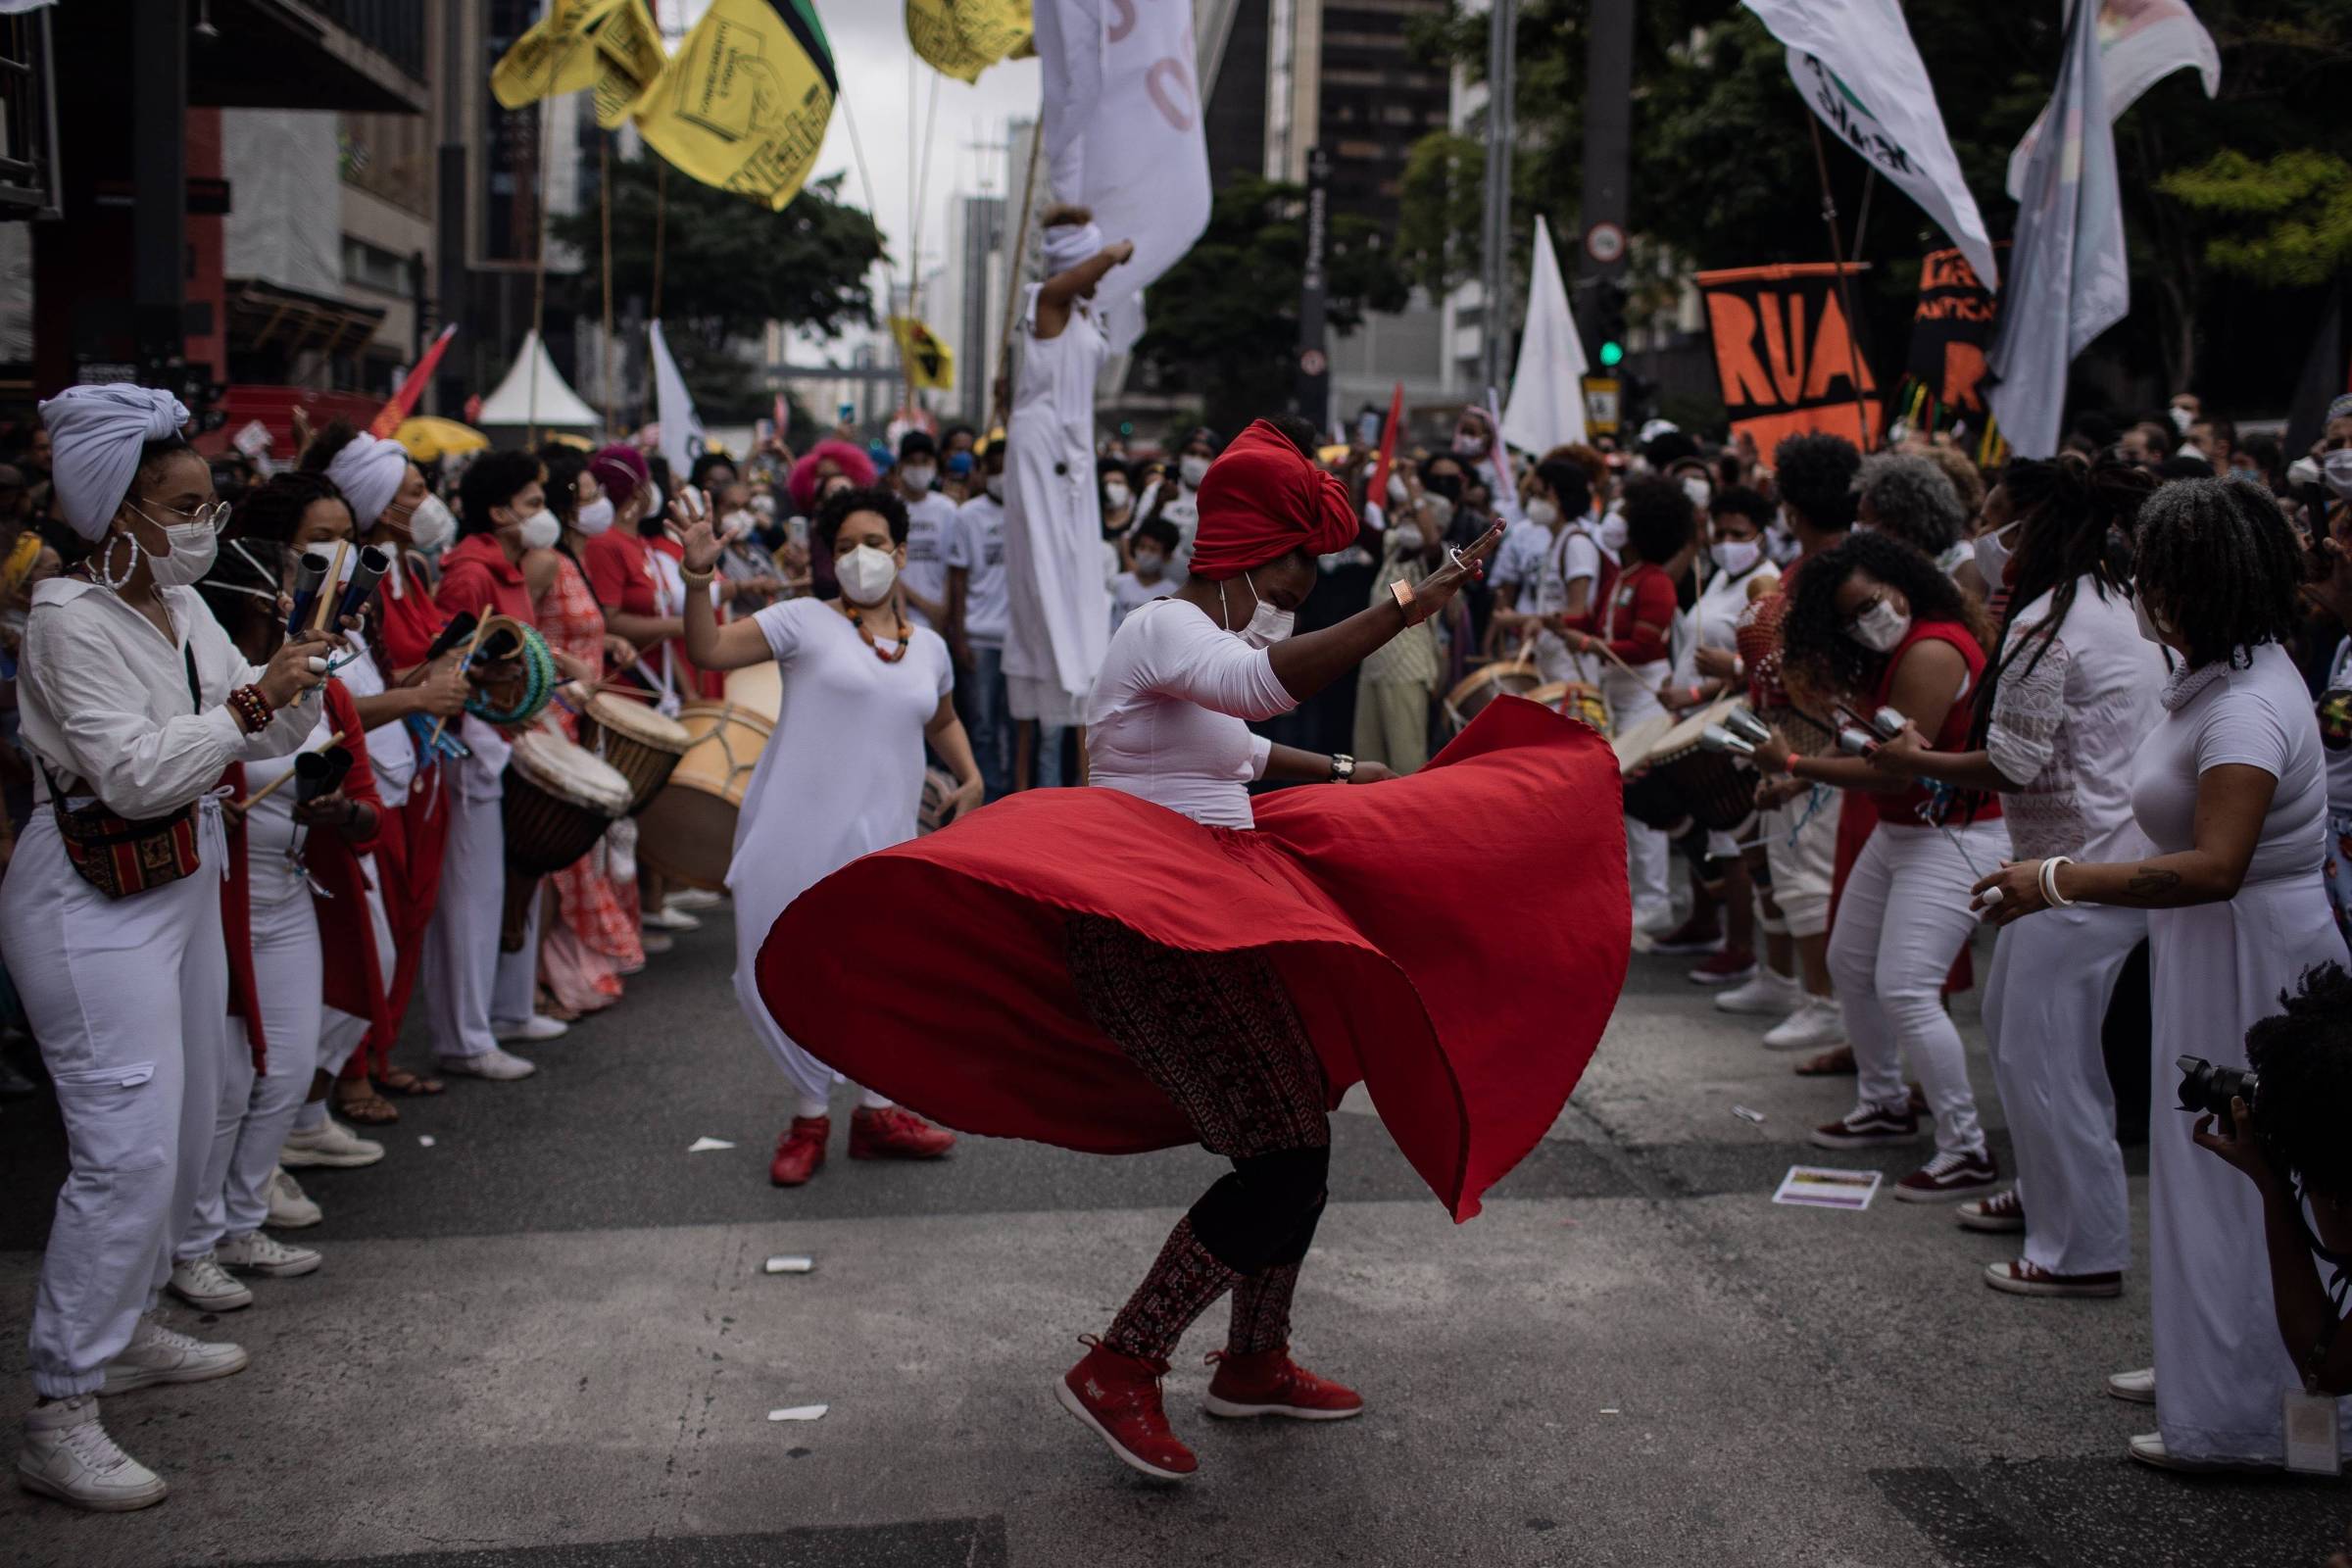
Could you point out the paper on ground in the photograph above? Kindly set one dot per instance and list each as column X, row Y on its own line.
column 785, row 1264
column 424, row 1140
column 1821, row 1186
column 798, row 1412
column 703, row 1145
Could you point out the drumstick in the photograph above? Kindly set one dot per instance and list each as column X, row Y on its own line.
column 471, row 643
column 331, row 589
column 271, row 788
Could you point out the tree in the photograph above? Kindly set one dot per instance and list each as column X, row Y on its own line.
column 727, row 267
column 1224, row 320
column 2306, row 197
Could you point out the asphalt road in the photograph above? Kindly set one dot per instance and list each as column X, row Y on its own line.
column 545, row 1339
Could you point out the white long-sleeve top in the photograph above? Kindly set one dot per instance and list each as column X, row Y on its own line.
column 1165, row 720
column 104, row 700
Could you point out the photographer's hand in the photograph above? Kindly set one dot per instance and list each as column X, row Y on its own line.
column 2238, row 1147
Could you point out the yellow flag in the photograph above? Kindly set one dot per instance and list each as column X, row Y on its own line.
column 552, row 57
column 628, row 58
column 744, row 105
column 961, row 39
column 930, row 363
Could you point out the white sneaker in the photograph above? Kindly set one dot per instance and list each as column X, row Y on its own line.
column 329, row 1144
column 1815, row 1025
column 158, row 1355
column 1767, row 996
column 204, row 1285
column 655, row 942
column 68, row 1455
column 670, row 918
column 290, row 1208
column 2149, row 1450
column 1654, row 919
column 2134, row 1387
column 264, row 1253
column 693, row 899
column 495, row 1065
column 538, row 1026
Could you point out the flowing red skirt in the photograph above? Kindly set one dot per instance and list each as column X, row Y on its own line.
column 1455, row 941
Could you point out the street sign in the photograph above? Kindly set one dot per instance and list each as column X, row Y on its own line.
column 1602, row 393
column 1311, row 362
column 1604, row 242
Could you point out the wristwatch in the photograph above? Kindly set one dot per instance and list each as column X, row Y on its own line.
column 1342, row 769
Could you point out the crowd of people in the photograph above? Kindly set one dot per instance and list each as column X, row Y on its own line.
column 253, row 815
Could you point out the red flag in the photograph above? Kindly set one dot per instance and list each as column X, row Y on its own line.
column 1379, row 493
column 387, row 418
column 783, row 417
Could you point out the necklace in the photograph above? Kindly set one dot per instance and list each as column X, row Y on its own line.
column 858, row 621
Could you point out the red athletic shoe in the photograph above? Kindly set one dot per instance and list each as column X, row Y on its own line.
column 1270, row 1383
column 1117, row 1395
column 896, row 1133
column 800, row 1151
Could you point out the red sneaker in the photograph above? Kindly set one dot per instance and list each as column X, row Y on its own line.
column 1117, row 1395
column 800, row 1151
column 894, row 1132
column 1270, row 1383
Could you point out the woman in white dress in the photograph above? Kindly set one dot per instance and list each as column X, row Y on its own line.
column 2230, row 789
column 2063, row 708
column 1061, row 605
column 865, row 689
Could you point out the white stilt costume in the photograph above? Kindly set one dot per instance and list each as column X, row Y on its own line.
column 1060, row 610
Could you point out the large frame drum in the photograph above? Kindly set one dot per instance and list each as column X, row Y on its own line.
column 688, row 832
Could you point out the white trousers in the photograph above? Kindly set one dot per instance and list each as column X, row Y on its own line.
column 1800, row 844
column 1902, row 921
column 810, row 1079
column 515, row 992
column 1646, row 850
column 257, row 1110
column 340, row 1032
column 459, row 973
column 2052, row 976
column 129, row 998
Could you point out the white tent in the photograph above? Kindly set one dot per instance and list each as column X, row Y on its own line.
column 533, row 394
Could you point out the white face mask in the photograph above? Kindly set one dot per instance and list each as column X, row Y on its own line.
column 432, row 526
column 1782, row 545
column 1881, row 628
column 1544, row 512
column 735, row 524
column 540, row 530
column 1267, row 625
column 1191, row 468
column 1612, row 534
column 865, row 575
column 994, row 487
column 2338, row 467
column 2181, row 420
column 1993, row 554
column 1147, row 566
column 918, row 477
column 594, row 517
column 1469, row 445
column 193, row 547
column 2149, row 626
column 1736, row 555
column 1114, row 493
column 1411, row 540
column 1699, row 490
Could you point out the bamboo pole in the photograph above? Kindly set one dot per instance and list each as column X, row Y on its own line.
column 1015, row 255
column 1846, row 293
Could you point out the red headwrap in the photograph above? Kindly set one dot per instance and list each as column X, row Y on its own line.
column 850, row 460
column 1262, row 498
column 620, row 468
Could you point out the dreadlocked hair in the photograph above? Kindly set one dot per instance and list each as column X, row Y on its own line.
column 1820, row 662
column 2216, row 561
column 2303, row 1058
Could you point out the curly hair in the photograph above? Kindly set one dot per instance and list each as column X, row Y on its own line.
column 338, row 434
column 835, row 509
column 1823, row 664
column 1569, row 484
column 846, row 456
column 2303, row 1059
column 1911, row 498
column 273, row 510
column 1967, row 481
column 2218, row 562
column 1658, row 520
column 1814, row 474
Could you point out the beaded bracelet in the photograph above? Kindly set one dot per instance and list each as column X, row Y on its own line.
column 251, row 708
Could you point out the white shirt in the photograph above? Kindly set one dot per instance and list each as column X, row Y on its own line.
column 104, row 700
column 2260, row 717
column 2067, row 729
column 273, row 839
column 391, row 750
column 978, row 547
column 1572, row 556
column 930, row 532
column 1520, row 556
column 1165, row 718
column 1130, row 593
column 2339, row 755
column 1714, row 620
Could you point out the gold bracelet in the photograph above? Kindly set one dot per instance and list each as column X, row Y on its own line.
column 698, row 580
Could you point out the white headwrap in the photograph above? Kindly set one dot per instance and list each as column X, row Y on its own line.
column 369, row 471
column 95, row 433
column 1068, row 244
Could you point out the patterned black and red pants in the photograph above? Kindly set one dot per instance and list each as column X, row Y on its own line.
column 1217, row 1034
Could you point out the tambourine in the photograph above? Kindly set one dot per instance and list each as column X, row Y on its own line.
column 521, row 697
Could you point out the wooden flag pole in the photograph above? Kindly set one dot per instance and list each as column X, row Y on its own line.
column 1014, row 256
column 1846, row 294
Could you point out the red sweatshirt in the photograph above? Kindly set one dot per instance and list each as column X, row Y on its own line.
column 1639, row 617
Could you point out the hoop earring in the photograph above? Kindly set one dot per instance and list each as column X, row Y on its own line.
column 106, row 571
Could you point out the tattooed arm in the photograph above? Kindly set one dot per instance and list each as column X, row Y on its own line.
column 2233, row 800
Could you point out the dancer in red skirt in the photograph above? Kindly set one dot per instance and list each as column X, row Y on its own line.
column 1162, row 961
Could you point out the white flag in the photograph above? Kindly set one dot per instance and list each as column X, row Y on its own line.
column 1547, row 390
column 2068, row 281
column 2140, row 43
column 1122, row 129
column 681, row 427
column 1855, row 64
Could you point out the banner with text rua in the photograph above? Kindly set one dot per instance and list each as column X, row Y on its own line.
column 1786, row 354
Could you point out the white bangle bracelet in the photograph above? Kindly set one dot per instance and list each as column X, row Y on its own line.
column 2050, row 882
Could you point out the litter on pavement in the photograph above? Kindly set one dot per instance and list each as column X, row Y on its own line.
column 785, row 1264
column 703, row 1145
column 798, row 1412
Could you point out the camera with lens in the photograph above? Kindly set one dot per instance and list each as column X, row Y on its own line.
column 2207, row 1090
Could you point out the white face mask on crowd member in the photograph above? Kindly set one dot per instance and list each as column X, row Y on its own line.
column 594, row 517
column 1411, row 540
column 1191, row 468
column 1993, row 552
column 918, row 477
column 1544, row 512
column 2150, row 627
column 1148, row 564
column 1115, row 494
column 1881, row 628
column 194, row 543
column 1780, row 544
column 1469, row 445
column 432, row 526
column 1267, row 625
column 538, row 531
column 865, row 575
column 1612, row 534
column 2338, row 467
column 1699, row 490
column 1736, row 555
column 995, row 486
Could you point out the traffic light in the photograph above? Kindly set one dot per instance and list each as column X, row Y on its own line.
column 1608, row 323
